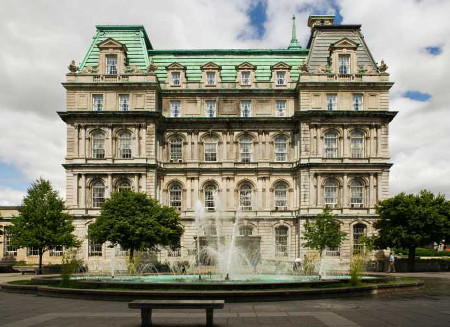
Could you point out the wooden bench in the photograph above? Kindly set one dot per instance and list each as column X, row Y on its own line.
column 146, row 307
column 25, row 270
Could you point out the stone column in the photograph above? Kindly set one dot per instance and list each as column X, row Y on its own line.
column 370, row 200
column 312, row 135
column 144, row 183
column 268, row 193
column 77, row 141
column 75, row 190
column 345, row 142
column 109, row 186
column 379, row 153
column 143, row 133
column 111, row 141
column 371, row 143
column 136, row 183
column 319, row 185
column 260, row 194
column 311, row 190
column 196, row 139
column 84, row 142
column 344, row 191
column 319, row 142
column 83, row 191
column 136, row 143
column 378, row 197
column 188, row 194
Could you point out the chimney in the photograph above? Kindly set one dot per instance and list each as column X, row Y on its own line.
column 321, row 20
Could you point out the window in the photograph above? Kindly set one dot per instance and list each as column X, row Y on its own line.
column 281, row 108
column 57, row 251
column 357, row 144
column 210, row 149
column 97, row 102
column 245, row 197
column 124, row 102
column 331, row 101
column 245, row 78
column 125, row 145
column 280, row 149
column 344, row 64
column 210, row 108
column 98, row 194
column 124, row 185
column 210, row 196
column 281, row 78
column 280, row 196
column 245, row 231
column 111, row 65
column 356, row 190
column 245, row 149
column 176, row 79
column 174, row 252
column 176, row 147
column 281, row 241
column 210, row 78
column 98, row 145
column 175, row 109
column 94, row 248
column 175, row 196
column 331, row 192
column 32, row 251
column 10, row 250
column 246, row 108
column 359, row 231
column 357, row 101
column 331, row 141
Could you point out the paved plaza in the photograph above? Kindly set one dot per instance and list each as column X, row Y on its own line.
column 427, row 307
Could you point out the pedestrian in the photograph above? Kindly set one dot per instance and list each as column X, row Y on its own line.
column 391, row 267
column 297, row 264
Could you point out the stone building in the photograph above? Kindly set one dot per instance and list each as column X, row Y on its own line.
column 274, row 135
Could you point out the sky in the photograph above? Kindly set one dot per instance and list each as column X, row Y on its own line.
column 40, row 37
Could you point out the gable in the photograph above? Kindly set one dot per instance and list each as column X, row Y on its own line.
column 245, row 65
column 111, row 43
column 344, row 43
column 210, row 65
column 175, row 66
column 281, row 65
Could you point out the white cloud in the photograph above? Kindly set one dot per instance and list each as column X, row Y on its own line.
column 10, row 197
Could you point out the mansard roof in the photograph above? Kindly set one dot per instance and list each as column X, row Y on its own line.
column 344, row 43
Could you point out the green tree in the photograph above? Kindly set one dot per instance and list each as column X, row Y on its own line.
column 42, row 222
column 324, row 232
column 410, row 220
column 136, row 222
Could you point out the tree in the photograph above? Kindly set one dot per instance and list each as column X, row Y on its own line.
column 324, row 232
column 410, row 220
column 136, row 222
column 42, row 222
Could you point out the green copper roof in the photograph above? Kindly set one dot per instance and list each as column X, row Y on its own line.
column 263, row 59
column 133, row 36
column 294, row 45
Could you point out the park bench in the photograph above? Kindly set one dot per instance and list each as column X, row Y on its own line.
column 25, row 270
column 146, row 307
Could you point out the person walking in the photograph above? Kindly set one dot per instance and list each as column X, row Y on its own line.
column 391, row 267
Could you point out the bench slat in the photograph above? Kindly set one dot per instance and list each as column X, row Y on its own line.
column 174, row 304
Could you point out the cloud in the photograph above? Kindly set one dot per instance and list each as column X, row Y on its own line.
column 10, row 196
column 39, row 38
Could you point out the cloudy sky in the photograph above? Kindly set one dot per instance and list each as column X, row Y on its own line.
column 40, row 37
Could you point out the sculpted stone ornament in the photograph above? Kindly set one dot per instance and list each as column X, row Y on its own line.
column 361, row 70
column 73, row 67
column 152, row 68
column 133, row 69
column 383, row 67
column 89, row 70
column 304, row 68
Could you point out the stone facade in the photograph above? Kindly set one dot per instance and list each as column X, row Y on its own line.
column 276, row 135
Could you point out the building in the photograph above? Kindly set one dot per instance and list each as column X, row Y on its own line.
column 274, row 134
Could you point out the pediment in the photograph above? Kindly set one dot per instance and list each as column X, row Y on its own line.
column 245, row 65
column 210, row 65
column 175, row 66
column 344, row 43
column 281, row 65
column 110, row 43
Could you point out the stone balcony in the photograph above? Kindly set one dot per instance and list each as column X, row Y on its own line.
column 324, row 77
column 100, row 78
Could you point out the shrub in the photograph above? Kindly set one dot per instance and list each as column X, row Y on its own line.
column 357, row 267
column 70, row 264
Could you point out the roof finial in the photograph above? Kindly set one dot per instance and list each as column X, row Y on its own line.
column 294, row 45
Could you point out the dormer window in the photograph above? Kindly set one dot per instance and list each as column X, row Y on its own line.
column 111, row 64
column 210, row 78
column 344, row 64
column 281, row 78
column 245, row 78
column 176, row 79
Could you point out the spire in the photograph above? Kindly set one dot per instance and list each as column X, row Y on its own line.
column 294, row 45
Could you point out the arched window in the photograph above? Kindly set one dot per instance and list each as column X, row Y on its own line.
column 281, row 191
column 176, row 148
column 245, row 149
column 245, row 231
column 359, row 231
column 331, row 192
column 98, row 145
column 356, row 191
column 331, row 145
column 281, row 241
column 210, row 192
column 125, row 145
column 175, row 196
column 245, row 197
column 210, row 144
column 357, row 144
column 210, row 230
column 124, row 185
column 98, row 193
column 280, row 149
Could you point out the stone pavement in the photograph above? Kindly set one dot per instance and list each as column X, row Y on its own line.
column 427, row 307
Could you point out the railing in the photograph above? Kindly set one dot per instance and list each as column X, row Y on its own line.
column 344, row 77
column 111, row 78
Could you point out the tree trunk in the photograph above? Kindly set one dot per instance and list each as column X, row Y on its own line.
column 40, row 261
column 411, row 258
column 132, row 255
